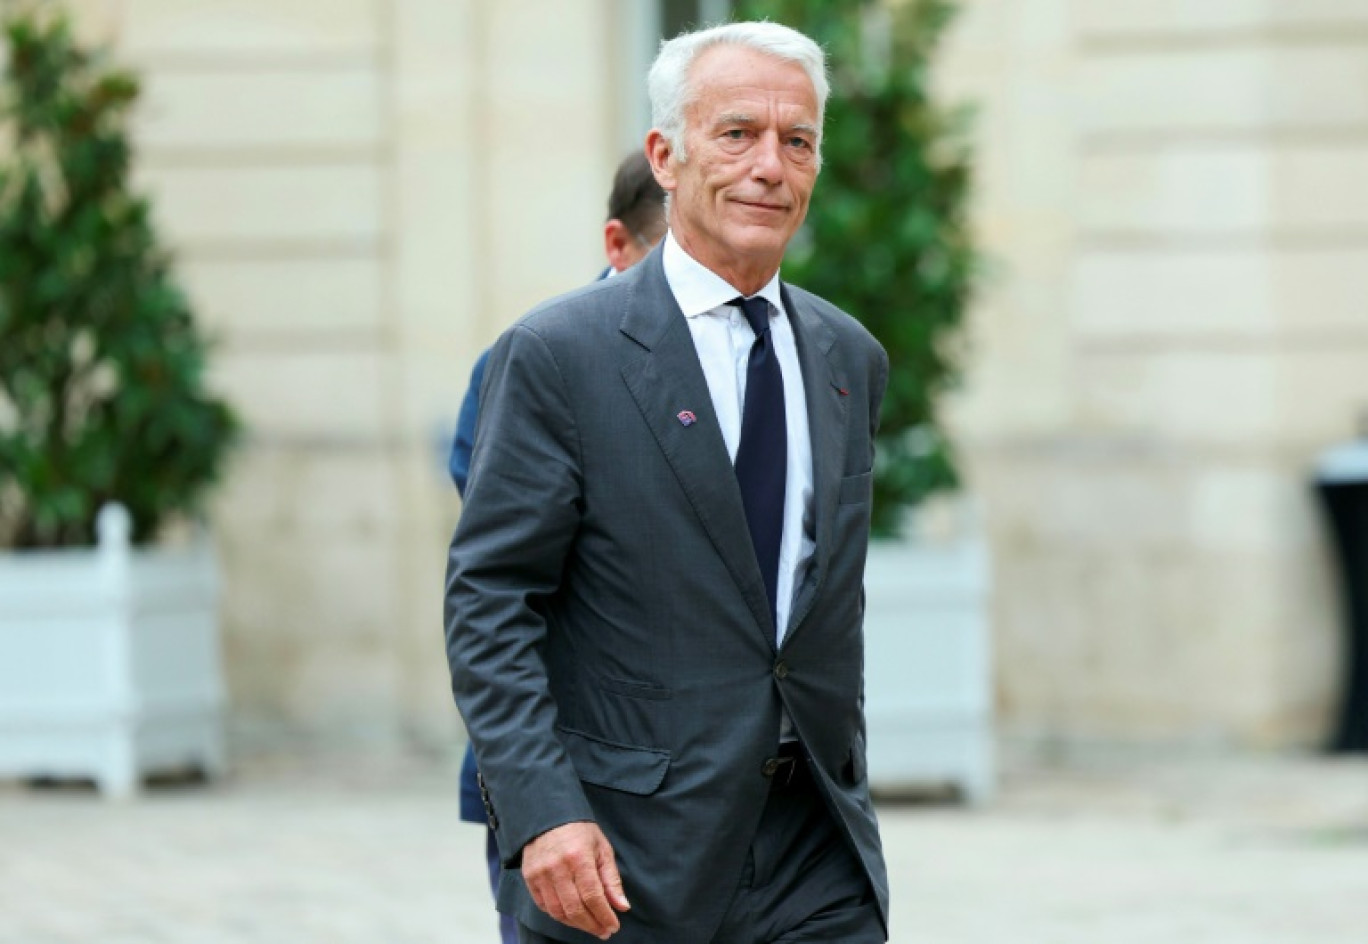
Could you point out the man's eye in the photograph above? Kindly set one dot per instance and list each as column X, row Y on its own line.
column 799, row 143
column 734, row 134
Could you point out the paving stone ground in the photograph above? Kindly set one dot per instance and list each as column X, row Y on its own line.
column 368, row 848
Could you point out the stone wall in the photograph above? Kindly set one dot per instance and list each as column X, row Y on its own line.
column 1173, row 193
column 362, row 194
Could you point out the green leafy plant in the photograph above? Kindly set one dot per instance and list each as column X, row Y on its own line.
column 888, row 236
column 101, row 367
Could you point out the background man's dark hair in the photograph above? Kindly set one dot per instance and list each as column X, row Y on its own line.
column 637, row 199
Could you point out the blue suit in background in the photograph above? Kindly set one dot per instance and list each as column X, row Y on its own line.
column 472, row 805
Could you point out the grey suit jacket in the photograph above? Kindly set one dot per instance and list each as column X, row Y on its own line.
column 611, row 645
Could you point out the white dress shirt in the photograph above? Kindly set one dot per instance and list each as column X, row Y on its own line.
column 723, row 339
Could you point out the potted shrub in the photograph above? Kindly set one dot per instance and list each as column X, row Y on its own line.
column 888, row 239
column 108, row 654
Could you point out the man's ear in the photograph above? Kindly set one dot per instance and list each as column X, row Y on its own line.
column 658, row 152
column 618, row 243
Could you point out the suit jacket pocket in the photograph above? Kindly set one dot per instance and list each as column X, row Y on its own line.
column 624, row 767
column 856, row 489
column 646, row 690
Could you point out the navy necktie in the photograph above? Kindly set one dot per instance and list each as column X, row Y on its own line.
column 762, row 456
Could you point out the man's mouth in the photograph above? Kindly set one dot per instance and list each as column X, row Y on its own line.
column 762, row 205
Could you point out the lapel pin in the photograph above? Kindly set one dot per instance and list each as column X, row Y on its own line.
column 842, row 391
column 686, row 417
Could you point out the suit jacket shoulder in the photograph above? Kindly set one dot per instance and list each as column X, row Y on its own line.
column 568, row 316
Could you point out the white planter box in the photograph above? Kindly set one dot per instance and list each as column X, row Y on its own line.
column 928, row 667
column 109, row 662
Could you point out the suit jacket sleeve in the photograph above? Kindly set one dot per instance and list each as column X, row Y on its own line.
column 523, row 502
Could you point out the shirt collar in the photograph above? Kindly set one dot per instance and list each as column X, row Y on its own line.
column 698, row 289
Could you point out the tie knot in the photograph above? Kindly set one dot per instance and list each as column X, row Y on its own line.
column 756, row 310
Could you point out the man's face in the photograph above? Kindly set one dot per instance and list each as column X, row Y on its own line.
column 751, row 145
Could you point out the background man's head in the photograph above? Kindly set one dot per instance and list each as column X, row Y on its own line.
column 738, row 119
column 636, row 213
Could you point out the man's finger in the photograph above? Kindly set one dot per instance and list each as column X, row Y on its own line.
column 612, row 881
column 565, row 902
column 534, row 889
column 595, row 898
column 575, row 911
column 545, row 897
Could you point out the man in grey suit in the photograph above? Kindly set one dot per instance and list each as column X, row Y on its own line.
column 654, row 605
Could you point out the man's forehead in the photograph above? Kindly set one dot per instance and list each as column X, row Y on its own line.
column 732, row 71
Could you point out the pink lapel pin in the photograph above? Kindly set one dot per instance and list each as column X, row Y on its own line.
column 686, row 417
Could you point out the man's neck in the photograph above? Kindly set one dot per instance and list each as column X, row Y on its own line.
column 747, row 276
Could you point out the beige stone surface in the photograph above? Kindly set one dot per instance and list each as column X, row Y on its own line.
column 1323, row 395
column 437, row 175
column 1099, row 19
column 1181, row 294
column 1224, row 397
column 248, row 29
column 1183, row 89
column 203, row 113
column 1323, row 87
column 1208, row 92
column 1319, row 187
column 287, row 301
column 1215, row 20
column 1332, row 14
column 1230, row 295
column 1319, row 292
column 204, row 208
column 430, row 514
column 1177, row 189
column 329, row 586
column 281, row 489
column 547, row 135
column 314, row 395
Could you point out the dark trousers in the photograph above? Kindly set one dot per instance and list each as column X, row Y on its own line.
column 801, row 882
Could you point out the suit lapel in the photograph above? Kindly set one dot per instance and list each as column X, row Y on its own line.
column 823, row 383
column 664, row 377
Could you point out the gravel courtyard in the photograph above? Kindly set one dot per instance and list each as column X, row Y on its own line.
column 369, row 849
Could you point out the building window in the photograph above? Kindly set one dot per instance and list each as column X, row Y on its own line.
column 676, row 16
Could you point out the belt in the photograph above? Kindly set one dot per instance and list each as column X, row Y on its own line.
column 788, row 770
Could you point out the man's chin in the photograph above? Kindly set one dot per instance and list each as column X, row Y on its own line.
column 760, row 240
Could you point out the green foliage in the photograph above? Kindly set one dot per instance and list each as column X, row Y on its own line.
column 101, row 391
column 887, row 236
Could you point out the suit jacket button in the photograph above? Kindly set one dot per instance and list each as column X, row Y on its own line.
column 770, row 767
column 781, row 671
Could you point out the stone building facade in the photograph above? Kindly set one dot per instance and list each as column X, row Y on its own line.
column 1175, row 196
column 363, row 193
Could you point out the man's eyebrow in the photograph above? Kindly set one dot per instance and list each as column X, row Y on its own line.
column 806, row 129
column 736, row 118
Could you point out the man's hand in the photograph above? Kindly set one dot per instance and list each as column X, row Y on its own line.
column 573, row 877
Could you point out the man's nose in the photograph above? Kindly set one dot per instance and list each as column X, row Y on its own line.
column 769, row 162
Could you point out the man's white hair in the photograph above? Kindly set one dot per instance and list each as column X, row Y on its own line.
column 672, row 93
